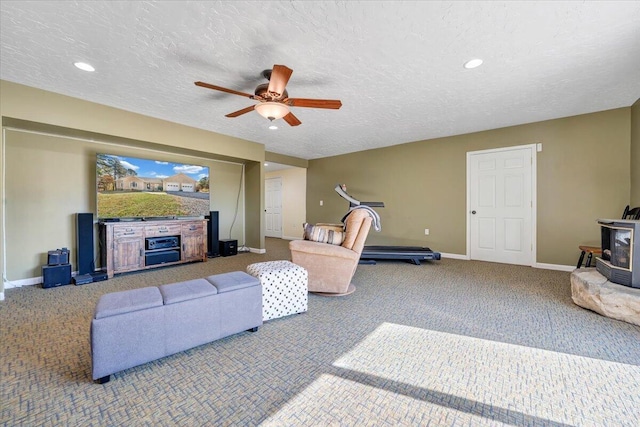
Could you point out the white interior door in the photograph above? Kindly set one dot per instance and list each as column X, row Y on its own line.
column 273, row 207
column 500, row 195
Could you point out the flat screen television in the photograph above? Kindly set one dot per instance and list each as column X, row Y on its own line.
column 143, row 188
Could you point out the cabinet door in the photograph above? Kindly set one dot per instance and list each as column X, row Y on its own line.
column 192, row 247
column 128, row 254
column 193, row 242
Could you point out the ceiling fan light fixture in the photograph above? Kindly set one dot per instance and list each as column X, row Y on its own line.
column 272, row 110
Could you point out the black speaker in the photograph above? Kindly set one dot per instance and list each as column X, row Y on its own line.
column 213, row 234
column 59, row 256
column 228, row 247
column 56, row 275
column 84, row 240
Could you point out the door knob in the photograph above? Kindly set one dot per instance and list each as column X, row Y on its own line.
column 473, row 212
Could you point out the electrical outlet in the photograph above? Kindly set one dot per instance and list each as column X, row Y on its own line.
column 426, row 231
column 321, row 203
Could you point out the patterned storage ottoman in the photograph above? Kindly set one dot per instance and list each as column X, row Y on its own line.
column 284, row 288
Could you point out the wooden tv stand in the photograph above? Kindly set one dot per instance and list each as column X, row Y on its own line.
column 127, row 246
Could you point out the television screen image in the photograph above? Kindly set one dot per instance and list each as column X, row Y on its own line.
column 130, row 187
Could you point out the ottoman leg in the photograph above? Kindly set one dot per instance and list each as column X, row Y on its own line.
column 103, row 380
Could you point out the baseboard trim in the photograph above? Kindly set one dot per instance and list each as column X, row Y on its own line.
column 541, row 265
column 30, row 281
column 291, row 238
column 257, row 251
column 2, row 296
column 9, row 284
column 454, row 256
column 557, row 267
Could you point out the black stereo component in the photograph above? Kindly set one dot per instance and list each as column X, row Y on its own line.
column 82, row 279
column 161, row 242
column 228, row 247
column 56, row 275
column 99, row 276
column 161, row 257
column 59, row 256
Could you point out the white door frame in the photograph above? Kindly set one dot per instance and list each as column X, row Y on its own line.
column 534, row 192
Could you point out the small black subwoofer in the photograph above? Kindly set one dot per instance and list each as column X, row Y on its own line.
column 228, row 247
column 56, row 275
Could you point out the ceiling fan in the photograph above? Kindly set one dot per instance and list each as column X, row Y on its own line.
column 274, row 101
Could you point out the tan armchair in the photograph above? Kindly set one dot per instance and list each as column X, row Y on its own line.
column 331, row 267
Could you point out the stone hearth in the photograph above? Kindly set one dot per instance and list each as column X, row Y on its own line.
column 590, row 289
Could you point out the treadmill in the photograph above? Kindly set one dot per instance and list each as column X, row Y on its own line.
column 413, row 254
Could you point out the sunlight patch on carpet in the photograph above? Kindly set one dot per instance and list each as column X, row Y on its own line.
column 332, row 400
column 493, row 374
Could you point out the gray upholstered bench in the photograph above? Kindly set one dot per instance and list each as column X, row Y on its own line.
column 136, row 326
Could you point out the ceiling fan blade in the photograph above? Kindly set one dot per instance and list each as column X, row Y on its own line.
column 240, row 112
column 224, row 89
column 291, row 119
column 279, row 78
column 333, row 104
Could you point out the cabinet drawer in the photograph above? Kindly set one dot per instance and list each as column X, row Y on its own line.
column 127, row 231
column 194, row 227
column 162, row 230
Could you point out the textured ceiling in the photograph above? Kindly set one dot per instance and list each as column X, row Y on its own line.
column 396, row 66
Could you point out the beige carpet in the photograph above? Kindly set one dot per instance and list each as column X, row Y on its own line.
column 447, row 343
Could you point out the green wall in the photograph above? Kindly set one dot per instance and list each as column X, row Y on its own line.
column 583, row 174
column 3, row 277
column 285, row 160
column 48, row 108
column 255, row 204
column 48, row 155
column 635, row 154
column 52, row 177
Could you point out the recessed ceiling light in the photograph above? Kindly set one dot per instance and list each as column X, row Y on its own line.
column 273, row 127
column 84, row 66
column 473, row 63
